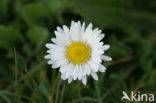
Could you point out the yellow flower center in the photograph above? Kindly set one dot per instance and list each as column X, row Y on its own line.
column 78, row 52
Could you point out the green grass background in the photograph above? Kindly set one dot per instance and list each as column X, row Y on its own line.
column 26, row 25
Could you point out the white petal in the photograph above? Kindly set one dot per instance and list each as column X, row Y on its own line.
column 65, row 28
column 83, row 27
column 96, row 58
column 54, row 47
column 94, row 67
column 79, row 23
column 90, row 26
column 69, row 70
column 67, row 34
column 75, row 72
column 102, row 36
column 97, row 46
column 55, row 66
column 94, row 38
column 84, row 80
column 86, row 69
column 106, row 58
column 62, row 39
column 63, row 77
column 98, row 51
column 70, row 79
column 74, row 32
column 47, row 56
column 59, row 29
column 102, row 68
column 49, row 45
column 105, row 47
column 50, row 62
column 87, row 33
column 94, row 75
column 53, row 40
column 80, row 72
column 58, row 34
column 58, row 54
column 64, row 69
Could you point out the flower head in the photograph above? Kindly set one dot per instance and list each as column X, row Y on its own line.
column 77, row 52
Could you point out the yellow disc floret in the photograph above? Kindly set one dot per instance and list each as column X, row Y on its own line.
column 78, row 52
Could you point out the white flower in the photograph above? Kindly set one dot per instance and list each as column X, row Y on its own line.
column 77, row 52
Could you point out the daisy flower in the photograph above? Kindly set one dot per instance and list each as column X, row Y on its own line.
column 77, row 52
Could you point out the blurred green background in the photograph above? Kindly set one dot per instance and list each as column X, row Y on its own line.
column 26, row 25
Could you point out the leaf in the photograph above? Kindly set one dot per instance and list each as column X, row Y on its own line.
column 33, row 13
column 142, row 47
column 130, row 35
column 9, row 36
column 4, row 8
column 44, row 90
column 113, row 13
column 103, row 16
column 142, row 50
column 154, row 47
column 57, row 6
column 5, row 69
column 118, row 48
column 37, row 34
column 5, row 97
